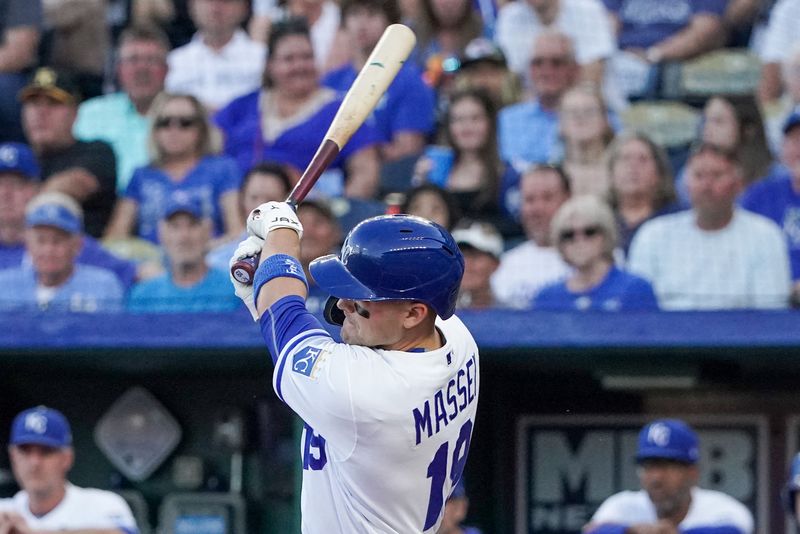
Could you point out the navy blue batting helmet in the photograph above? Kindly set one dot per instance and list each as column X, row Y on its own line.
column 394, row 257
column 792, row 486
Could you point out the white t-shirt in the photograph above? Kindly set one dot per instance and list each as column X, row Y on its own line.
column 585, row 21
column 216, row 77
column 523, row 271
column 387, row 432
column 709, row 508
column 81, row 508
column 781, row 33
column 744, row 265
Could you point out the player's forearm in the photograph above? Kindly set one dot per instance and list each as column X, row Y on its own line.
column 279, row 241
column 704, row 33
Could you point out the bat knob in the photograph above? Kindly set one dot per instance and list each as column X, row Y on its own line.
column 244, row 270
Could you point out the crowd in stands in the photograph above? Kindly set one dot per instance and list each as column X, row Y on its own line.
column 136, row 136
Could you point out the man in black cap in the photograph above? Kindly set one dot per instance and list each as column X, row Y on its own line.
column 84, row 170
column 484, row 65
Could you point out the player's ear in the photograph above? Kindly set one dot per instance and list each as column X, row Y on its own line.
column 416, row 313
column 694, row 473
column 68, row 459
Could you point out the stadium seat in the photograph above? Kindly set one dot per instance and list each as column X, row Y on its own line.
column 670, row 124
column 134, row 249
column 726, row 71
column 202, row 513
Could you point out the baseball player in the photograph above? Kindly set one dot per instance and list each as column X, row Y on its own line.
column 40, row 448
column 790, row 491
column 669, row 501
column 389, row 412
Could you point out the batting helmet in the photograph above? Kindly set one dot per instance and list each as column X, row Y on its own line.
column 393, row 257
column 791, row 487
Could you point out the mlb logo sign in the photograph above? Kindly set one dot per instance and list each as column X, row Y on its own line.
column 304, row 362
column 567, row 466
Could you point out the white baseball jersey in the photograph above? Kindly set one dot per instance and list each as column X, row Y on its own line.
column 709, row 510
column 81, row 508
column 387, row 432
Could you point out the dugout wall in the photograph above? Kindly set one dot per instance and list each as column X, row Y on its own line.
column 581, row 383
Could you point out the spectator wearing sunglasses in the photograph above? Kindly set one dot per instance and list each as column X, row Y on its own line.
column 585, row 234
column 528, row 131
column 182, row 144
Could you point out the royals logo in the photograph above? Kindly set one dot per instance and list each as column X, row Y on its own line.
column 36, row 422
column 305, row 361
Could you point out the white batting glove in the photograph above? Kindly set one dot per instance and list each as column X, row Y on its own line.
column 272, row 215
column 248, row 248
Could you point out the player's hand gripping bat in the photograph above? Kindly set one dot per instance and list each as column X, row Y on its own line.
column 369, row 86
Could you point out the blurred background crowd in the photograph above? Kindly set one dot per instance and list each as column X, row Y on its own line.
column 587, row 154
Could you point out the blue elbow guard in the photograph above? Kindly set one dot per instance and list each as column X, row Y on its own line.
column 276, row 266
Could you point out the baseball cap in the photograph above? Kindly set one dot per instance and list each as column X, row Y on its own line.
column 482, row 49
column 182, row 202
column 792, row 120
column 41, row 426
column 480, row 236
column 18, row 158
column 668, row 439
column 55, row 209
column 56, row 84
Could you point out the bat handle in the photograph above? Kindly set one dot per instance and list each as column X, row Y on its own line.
column 244, row 270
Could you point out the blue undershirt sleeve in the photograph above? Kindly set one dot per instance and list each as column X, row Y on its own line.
column 284, row 320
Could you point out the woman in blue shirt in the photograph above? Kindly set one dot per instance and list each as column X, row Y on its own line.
column 181, row 144
column 585, row 233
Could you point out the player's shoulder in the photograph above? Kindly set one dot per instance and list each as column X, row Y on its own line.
column 455, row 330
column 723, row 503
column 99, row 499
column 623, row 506
column 713, row 508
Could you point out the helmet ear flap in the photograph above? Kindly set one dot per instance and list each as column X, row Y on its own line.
column 332, row 313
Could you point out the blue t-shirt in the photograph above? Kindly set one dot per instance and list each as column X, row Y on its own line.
column 151, row 188
column 776, row 199
column 92, row 253
column 648, row 22
column 239, row 121
column 407, row 105
column 619, row 291
column 527, row 133
column 214, row 293
column 89, row 289
column 11, row 255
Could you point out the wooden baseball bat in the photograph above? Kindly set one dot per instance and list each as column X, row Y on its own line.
column 378, row 72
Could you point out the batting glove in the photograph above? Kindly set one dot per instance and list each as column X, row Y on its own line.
column 272, row 215
column 248, row 248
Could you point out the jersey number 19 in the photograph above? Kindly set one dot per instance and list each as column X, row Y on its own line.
column 437, row 471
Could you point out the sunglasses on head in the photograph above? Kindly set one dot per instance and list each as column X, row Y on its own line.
column 572, row 233
column 180, row 122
